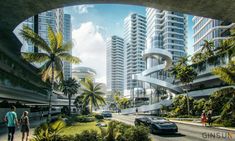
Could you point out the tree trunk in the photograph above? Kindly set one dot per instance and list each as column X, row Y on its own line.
column 91, row 107
column 51, row 93
column 69, row 104
column 187, row 101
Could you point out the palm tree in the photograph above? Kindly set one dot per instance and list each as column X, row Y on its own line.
column 69, row 88
column 208, row 47
column 227, row 74
column 198, row 57
column 224, row 45
column 91, row 94
column 52, row 55
column 186, row 74
column 183, row 61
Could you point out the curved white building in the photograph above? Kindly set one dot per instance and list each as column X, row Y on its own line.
column 166, row 43
column 80, row 73
column 209, row 29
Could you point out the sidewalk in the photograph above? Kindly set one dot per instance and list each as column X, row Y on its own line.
column 199, row 124
column 17, row 137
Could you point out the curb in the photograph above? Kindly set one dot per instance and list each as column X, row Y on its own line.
column 196, row 124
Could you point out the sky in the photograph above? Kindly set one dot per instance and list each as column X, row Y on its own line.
column 92, row 25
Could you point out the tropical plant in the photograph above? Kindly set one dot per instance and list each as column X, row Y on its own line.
column 91, row 94
column 52, row 55
column 69, row 88
column 48, row 131
column 224, row 45
column 199, row 106
column 227, row 74
column 198, row 57
column 208, row 47
column 186, row 74
column 180, row 104
column 123, row 103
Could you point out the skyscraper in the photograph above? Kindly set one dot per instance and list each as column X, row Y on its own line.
column 115, row 64
column 209, row 29
column 39, row 23
column 166, row 43
column 67, row 33
column 167, row 30
column 134, row 45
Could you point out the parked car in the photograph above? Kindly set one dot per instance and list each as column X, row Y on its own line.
column 157, row 125
column 106, row 114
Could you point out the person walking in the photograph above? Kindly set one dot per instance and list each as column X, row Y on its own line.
column 25, row 125
column 203, row 118
column 12, row 122
column 209, row 118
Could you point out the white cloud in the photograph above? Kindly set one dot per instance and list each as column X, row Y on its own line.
column 90, row 46
column 82, row 9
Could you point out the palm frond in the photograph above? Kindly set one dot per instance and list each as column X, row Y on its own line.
column 35, row 57
column 66, row 47
column 69, row 58
column 224, row 74
column 52, row 38
column 29, row 35
column 59, row 38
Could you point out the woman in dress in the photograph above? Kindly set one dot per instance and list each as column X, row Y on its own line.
column 203, row 118
column 25, row 126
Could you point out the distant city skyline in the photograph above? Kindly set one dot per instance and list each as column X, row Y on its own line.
column 92, row 25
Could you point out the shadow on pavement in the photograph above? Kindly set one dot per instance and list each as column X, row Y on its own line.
column 172, row 135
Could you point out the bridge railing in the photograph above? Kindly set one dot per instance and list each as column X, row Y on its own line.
column 147, row 108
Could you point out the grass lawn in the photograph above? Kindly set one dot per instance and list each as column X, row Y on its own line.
column 78, row 127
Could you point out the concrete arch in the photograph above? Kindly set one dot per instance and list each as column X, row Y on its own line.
column 14, row 12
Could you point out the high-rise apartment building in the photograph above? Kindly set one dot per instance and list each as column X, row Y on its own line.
column 39, row 23
column 209, row 29
column 166, row 30
column 67, row 33
column 166, row 43
column 115, row 64
column 134, row 45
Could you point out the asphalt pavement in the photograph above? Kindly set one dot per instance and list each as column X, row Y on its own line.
column 186, row 132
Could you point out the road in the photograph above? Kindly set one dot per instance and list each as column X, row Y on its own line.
column 185, row 132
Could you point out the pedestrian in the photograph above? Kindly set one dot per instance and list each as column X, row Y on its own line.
column 25, row 125
column 12, row 122
column 203, row 118
column 136, row 110
column 209, row 118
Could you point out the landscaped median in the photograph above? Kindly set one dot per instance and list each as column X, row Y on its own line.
column 89, row 128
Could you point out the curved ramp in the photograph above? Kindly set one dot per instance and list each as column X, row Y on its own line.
column 144, row 76
column 147, row 108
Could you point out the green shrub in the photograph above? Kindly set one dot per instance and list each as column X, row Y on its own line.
column 84, row 119
column 88, row 135
column 137, row 133
column 49, row 132
column 97, row 116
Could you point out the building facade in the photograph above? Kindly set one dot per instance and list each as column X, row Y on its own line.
column 67, row 33
column 39, row 23
column 165, row 44
column 80, row 73
column 115, row 64
column 209, row 29
column 134, row 45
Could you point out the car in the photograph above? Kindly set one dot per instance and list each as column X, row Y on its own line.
column 106, row 114
column 157, row 125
